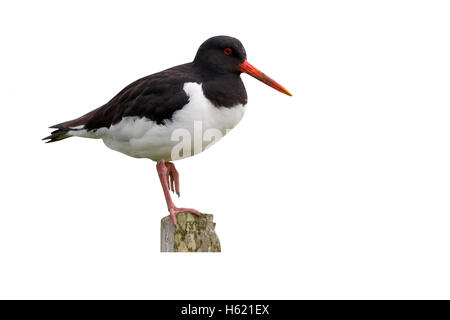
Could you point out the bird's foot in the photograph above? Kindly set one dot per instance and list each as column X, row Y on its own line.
column 174, row 211
column 169, row 178
column 173, row 179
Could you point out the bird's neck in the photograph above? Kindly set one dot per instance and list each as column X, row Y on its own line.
column 224, row 90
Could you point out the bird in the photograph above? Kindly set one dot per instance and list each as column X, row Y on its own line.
column 173, row 114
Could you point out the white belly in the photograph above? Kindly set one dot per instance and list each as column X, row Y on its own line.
column 192, row 129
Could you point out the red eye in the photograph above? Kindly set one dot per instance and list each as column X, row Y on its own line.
column 227, row 51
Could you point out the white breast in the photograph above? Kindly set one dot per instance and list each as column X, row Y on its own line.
column 195, row 127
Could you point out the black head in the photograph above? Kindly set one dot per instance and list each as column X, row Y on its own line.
column 226, row 55
column 221, row 54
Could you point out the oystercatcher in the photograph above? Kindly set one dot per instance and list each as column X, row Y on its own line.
column 174, row 113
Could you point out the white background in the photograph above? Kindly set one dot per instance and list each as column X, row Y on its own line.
column 341, row 191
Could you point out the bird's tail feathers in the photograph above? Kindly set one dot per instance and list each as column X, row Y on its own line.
column 59, row 134
column 66, row 130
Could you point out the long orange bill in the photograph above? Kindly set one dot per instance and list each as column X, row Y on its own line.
column 255, row 73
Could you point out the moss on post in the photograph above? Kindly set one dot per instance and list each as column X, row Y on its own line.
column 191, row 234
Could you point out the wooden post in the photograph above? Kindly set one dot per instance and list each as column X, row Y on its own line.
column 191, row 234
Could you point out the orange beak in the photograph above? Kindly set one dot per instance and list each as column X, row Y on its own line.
column 255, row 73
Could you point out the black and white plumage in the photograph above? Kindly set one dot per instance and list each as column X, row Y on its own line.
column 141, row 119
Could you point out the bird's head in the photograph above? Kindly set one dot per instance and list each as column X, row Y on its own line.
column 223, row 54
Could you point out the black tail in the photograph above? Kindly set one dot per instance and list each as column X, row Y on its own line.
column 59, row 134
column 63, row 129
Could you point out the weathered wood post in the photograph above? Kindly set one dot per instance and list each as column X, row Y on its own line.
column 191, row 234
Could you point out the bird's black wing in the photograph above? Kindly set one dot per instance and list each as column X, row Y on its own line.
column 155, row 97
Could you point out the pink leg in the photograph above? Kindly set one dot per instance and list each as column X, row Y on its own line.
column 169, row 178
column 174, row 178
